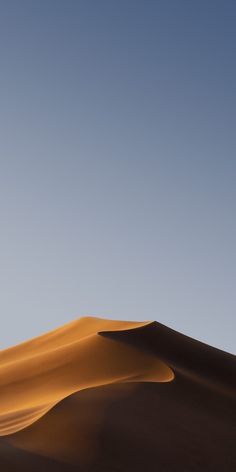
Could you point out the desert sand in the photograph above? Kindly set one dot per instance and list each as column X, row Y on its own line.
column 102, row 395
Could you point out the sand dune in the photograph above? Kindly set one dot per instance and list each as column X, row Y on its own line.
column 38, row 374
column 100, row 395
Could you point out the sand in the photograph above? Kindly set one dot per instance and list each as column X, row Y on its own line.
column 101, row 395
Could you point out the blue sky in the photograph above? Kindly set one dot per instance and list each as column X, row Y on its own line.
column 117, row 165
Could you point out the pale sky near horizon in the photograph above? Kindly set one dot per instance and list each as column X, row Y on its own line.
column 118, row 165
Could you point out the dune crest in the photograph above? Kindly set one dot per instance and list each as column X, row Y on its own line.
column 38, row 374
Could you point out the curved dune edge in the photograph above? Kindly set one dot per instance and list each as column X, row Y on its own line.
column 38, row 374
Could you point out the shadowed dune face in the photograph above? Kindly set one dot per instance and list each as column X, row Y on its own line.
column 36, row 375
column 99, row 395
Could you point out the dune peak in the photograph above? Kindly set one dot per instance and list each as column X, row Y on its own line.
column 37, row 374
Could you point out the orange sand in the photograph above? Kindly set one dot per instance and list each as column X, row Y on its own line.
column 114, row 396
column 39, row 373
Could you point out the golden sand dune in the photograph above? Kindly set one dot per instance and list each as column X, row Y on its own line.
column 100, row 395
column 38, row 374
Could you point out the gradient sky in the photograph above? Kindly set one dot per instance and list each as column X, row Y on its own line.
column 118, row 165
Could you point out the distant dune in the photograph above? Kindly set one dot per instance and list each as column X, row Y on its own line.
column 111, row 396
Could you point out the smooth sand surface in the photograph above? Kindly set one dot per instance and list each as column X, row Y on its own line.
column 100, row 395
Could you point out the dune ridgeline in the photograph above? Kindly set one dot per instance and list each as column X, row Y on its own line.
column 113, row 396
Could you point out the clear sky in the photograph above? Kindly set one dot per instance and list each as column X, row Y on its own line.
column 118, row 165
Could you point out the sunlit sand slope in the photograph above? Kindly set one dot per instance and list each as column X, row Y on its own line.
column 99, row 396
column 36, row 375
